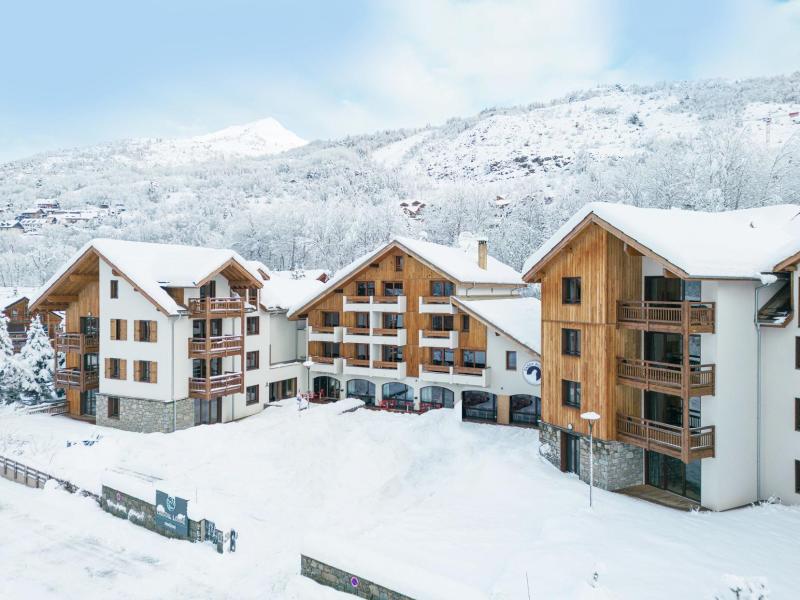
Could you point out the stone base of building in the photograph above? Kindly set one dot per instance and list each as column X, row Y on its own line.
column 146, row 416
column 344, row 581
column 616, row 465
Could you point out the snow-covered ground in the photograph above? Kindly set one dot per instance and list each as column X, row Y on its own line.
column 471, row 503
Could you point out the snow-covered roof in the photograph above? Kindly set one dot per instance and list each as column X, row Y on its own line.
column 518, row 318
column 461, row 264
column 280, row 293
column 153, row 267
column 737, row 244
column 13, row 294
column 300, row 274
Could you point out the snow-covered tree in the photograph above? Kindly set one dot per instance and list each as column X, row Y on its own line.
column 36, row 365
column 10, row 380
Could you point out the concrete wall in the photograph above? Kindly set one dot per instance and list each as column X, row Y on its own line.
column 780, row 387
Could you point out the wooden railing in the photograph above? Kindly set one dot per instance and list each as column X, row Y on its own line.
column 77, row 378
column 435, row 333
column 358, row 362
column 357, row 331
column 668, row 439
column 436, row 368
column 221, row 345
column 323, row 360
column 468, row 370
column 324, row 329
column 696, row 316
column 657, row 375
column 77, row 342
column 217, row 307
column 216, row 385
column 385, row 364
column 436, row 299
column 386, row 331
column 386, row 299
column 48, row 408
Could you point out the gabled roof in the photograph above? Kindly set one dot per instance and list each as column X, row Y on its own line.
column 458, row 264
column 151, row 267
column 518, row 318
column 739, row 244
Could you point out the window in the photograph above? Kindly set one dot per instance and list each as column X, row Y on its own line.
column 330, row 319
column 280, row 390
column 571, row 393
column 145, row 371
column 393, row 321
column 571, row 290
column 113, row 407
column 145, row 331
column 797, row 353
column 797, row 477
column 365, row 288
column 362, row 352
column 511, row 360
column 797, row 414
column 399, row 263
column 362, row 320
column 89, row 325
column 393, row 288
column 442, row 357
column 442, row 322
column 89, row 403
column 393, row 354
column 571, row 342
column 251, row 360
column 474, row 358
column 114, row 369
column 465, row 323
column 251, row 396
column 114, row 288
column 208, row 290
column 330, row 349
column 119, row 329
column 253, row 326
column 442, row 288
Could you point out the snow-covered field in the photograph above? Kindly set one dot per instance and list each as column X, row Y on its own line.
column 471, row 503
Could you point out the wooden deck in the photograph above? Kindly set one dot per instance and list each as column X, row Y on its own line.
column 667, row 378
column 662, row 497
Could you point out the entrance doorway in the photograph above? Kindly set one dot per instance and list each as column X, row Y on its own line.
column 668, row 473
column 327, row 388
column 570, row 453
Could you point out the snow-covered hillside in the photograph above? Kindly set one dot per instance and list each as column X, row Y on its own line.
column 514, row 173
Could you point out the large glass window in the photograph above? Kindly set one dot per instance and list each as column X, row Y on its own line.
column 443, row 357
column 393, row 321
column 474, row 358
column 478, row 405
column 363, row 390
column 392, row 353
column 280, row 390
column 362, row 352
column 207, row 412
column 330, row 319
column 89, row 403
column 393, row 288
column 442, row 322
column 398, row 395
column 673, row 475
column 330, row 349
column 362, row 320
column 327, row 387
column 442, row 288
column 571, row 290
column 365, row 288
column 90, row 325
column 525, row 409
column 435, row 396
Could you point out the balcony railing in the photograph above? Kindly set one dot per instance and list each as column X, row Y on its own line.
column 225, row 345
column 666, row 377
column 82, row 380
column 436, row 305
column 77, row 342
column 686, row 444
column 474, row 376
column 392, row 304
column 218, row 308
column 217, row 385
column 696, row 317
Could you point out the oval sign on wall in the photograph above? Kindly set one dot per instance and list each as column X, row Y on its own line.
column 532, row 372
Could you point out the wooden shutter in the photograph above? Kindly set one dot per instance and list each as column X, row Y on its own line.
column 123, row 329
column 137, row 330
column 107, row 368
column 123, row 368
column 153, row 372
column 113, row 329
column 153, row 331
column 137, row 370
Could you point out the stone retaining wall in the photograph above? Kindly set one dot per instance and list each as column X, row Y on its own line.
column 147, row 416
column 342, row 581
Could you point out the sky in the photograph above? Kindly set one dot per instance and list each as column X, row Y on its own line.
column 86, row 71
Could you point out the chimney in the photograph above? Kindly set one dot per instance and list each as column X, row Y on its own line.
column 483, row 253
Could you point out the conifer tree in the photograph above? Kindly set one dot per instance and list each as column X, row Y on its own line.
column 36, row 364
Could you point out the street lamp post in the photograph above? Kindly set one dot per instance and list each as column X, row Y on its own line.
column 591, row 417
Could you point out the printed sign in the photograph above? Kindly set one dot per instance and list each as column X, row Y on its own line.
column 532, row 372
column 171, row 514
column 354, row 581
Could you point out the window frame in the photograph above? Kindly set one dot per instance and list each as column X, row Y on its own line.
column 328, row 313
column 797, row 414
column 465, row 323
column 569, row 285
column 399, row 263
column 247, row 390
column 114, row 289
column 444, row 285
column 115, row 373
column 511, row 354
column 393, row 286
column 369, row 286
column 253, row 331
column 567, row 337
column 566, row 394
column 247, row 360
column 112, row 407
column 473, row 362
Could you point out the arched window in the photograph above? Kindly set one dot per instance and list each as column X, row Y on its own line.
column 435, row 396
column 327, row 387
column 478, row 406
column 397, row 395
column 526, row 409
column 361, row 389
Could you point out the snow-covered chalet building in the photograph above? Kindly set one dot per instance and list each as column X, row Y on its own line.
column 680, row 330
column 160, row 337
column 415, row 325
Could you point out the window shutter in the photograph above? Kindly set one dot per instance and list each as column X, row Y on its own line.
column 107, row 368
column 137, row 370
column 153, row 331
column 123, row 329
column 153, row 372
column 123, row 368
column 137, row 331
column 113, row 329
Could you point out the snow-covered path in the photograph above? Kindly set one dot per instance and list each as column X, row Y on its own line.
column 474, row 503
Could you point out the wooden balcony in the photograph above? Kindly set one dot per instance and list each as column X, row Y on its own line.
column 216, row 308
column 437, row 305
column 684, row 444
column 474, row 376
column 667, row 378
column 77, row 379
column 80, row 343
column 207, row 388
column 674, row 317
column 226, row 345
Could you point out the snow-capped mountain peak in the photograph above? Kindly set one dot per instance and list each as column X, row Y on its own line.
column 265, row 136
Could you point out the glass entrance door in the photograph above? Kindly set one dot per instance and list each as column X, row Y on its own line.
column 668, row 473
column 571, row 449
